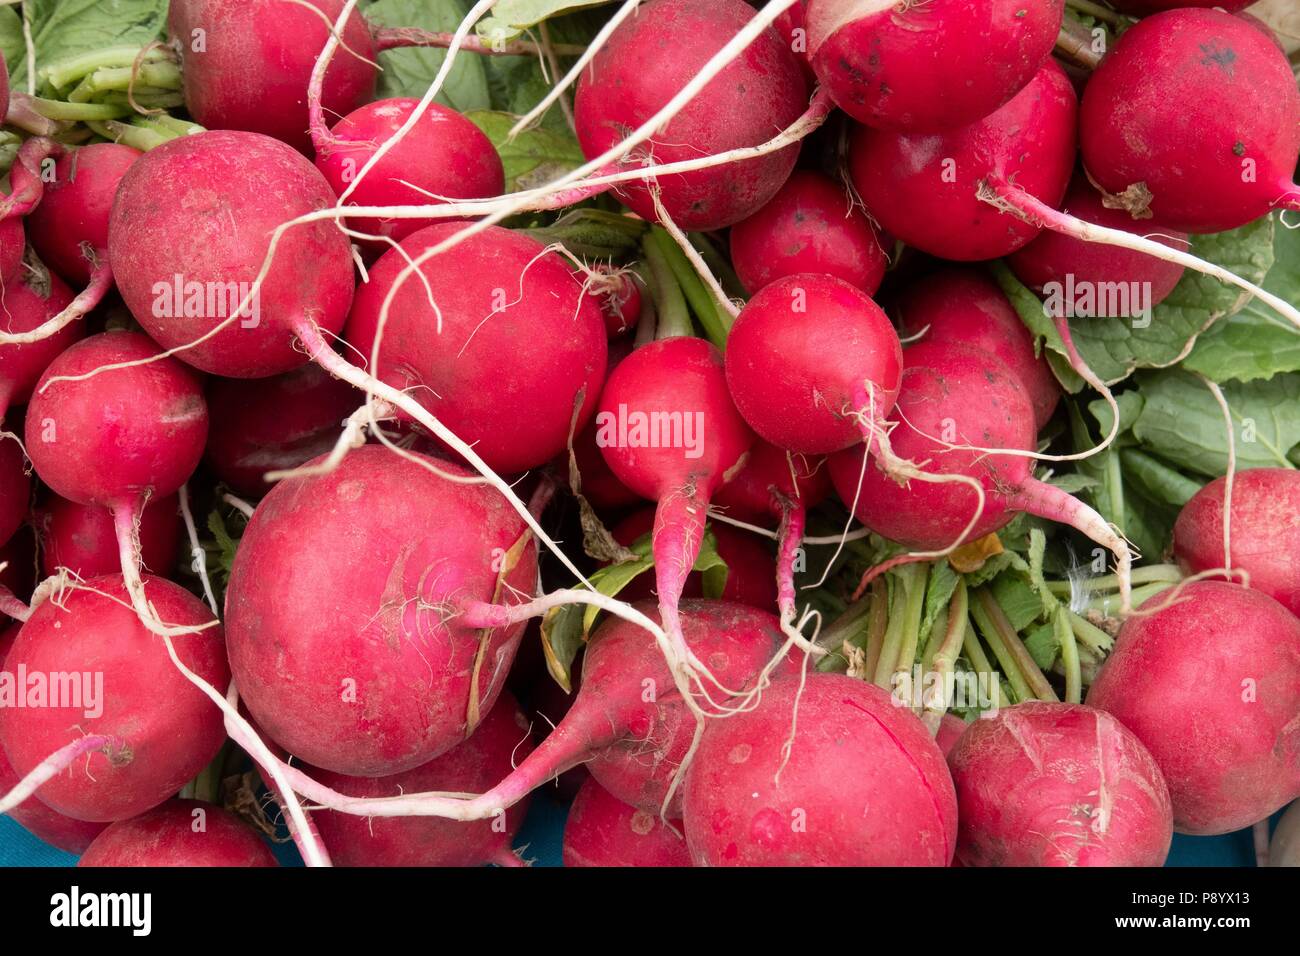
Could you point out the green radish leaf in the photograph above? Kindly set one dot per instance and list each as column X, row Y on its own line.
column 1182, row 424
column 1157, row 480
column 1256, row 342
column 1130, row 407
column 535, row 157
column 67, row 28
column 12, row 44
column 1043, row 645
column 410, row 72
column 1017, row 599
column 938, row 592
column 510, row 18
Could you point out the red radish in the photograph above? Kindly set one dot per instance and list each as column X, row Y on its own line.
column 15, row 487
column 49, row 826
column 951, row 728
column 18, row 576
column 965, row 306
column 669, row 431
column 518, row 342
column 811, row 225
column 771, row 474
column 758, row 94
column 599, row 484
column 602, row 830
column 628, row 721
column 186, row 250
column 500, row 741
column 1049, row 784
column 274, row 424
column 1057, row 258
column 337, row 617
column 444, row 156
column 1143, row 7
column 1227, row 154
column 619, row 296
column 1263, row 529
column 1216, row 705
column 81, row 537
column 809, row 355
column 27, row 303
column 955, row 401
column 548, row 703
column 164, row 730
column 925, row 67
column 13, row 242
column 924, row 188
column 793, row 27
column 862, row 783
column 72, row 218
column 247, row 63
column 180, row 833
column 751, row 573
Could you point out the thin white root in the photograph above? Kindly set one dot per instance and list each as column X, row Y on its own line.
column 60, row 760
column 198, row 557
column 353, row 436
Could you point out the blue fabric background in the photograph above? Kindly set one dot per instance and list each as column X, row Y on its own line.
column 544, row 829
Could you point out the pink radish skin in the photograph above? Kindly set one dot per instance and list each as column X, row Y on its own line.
column 599, row 484
column 180, row 833
column 1240, row 115
column 548, row 703
column 923, row 188
column 274, row 424
column 170, row 220
column 82, row 539
column 602, row 830
column 803, row 357
column 48, row 826
column 501, row 740
column 1049, row 784
column 864, row 785
column 809, row 226
column 444, row 154
column 926, row 67
column 1215, row 705
column 252, row 70
column 628, row 721
column 113, row 438
column 964, row 306
column 751, row 572
column 1053, row 256
column 680, row 377
column 26, row 304
column 1264, row 531
column 792, row 25
column 168, row 728
column 769, row 475
column 340, row 643
column 760, row 93
column 13, row 242
column 1144, row 7
column 15, row 488
column 967, row 397
column 519, row 341
column 951, row 728
column 620, row 303
column 75, row 209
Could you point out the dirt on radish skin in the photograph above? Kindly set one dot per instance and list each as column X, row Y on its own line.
column 443, row 156
column 1050, row 784
column 758, row 94
column 519, row 342
column 926, row 67
column 75, row 208
column 1264, row 529
column 864, row 783
column 1053, row 258
column 1227, row 153
column 275, row 423
column 246, row 63
column 602, row 830
column 180, row 833
column 82, row 539
column 109, row 439
column 800, row 358
column 191, row 225
column 337, row 613
column 965, row 306
column 1208, row 678
column 923, row 187
column 27, row 304
column 168, row 729
column 811, row 225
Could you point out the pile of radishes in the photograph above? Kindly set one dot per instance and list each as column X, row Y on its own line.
column 355, row 486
